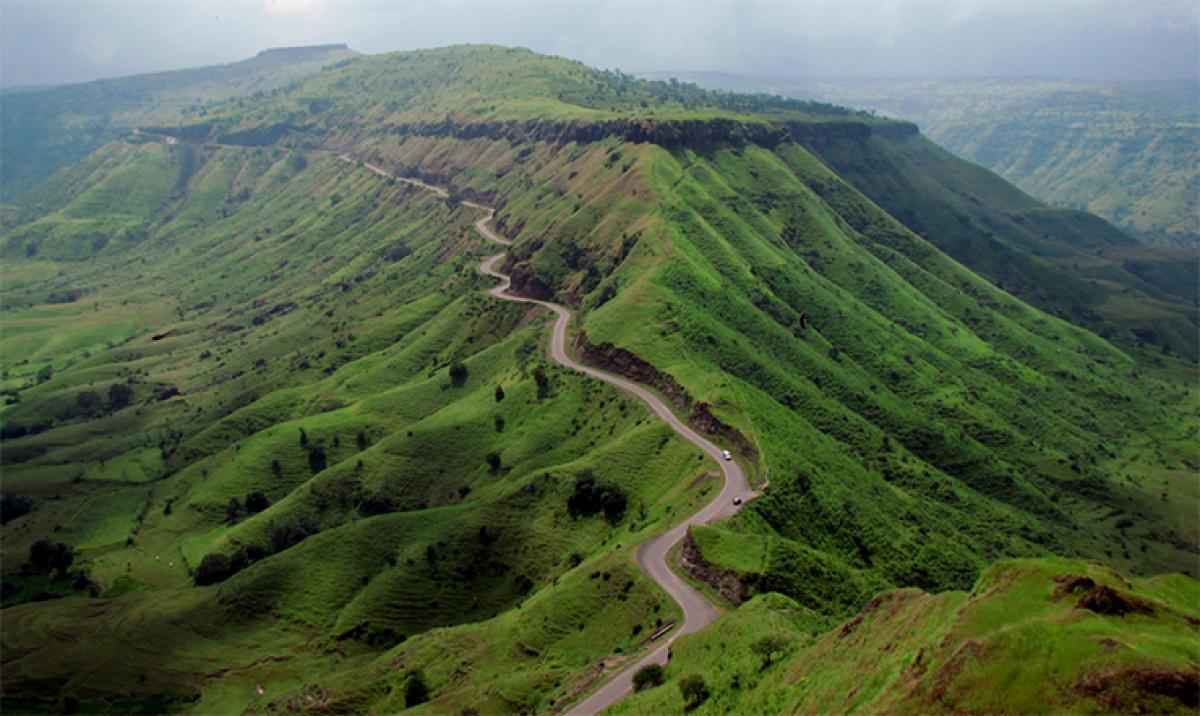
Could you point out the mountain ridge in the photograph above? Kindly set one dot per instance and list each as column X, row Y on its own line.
column 327, row 336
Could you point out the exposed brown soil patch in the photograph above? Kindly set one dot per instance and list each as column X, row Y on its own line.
column 1142, row 690
column 726, row 583
column 627, row 364
column 1103, row 599
column 1071, row 584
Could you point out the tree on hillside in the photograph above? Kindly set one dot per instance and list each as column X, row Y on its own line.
column 316, row 459
column 213, row 568
column 648, row 677
column 458, row 373
column 499, row 393
column 88, row 402
column 694, row 691
column 232, row 509
column 256, row 502
column 768, row 647
column 46, row 556
column 592, row 495
column 543, row 382
column 119, row 395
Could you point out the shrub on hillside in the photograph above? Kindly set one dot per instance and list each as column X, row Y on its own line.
column 232, row 509
column 648, row 677
column 316, row 458
column 291, row 534
column 256, row 501
column 213, row 568
column 694, row 691
column 88, row 402
column 46, row 556
column 119, row 395
column 458, row 373
column 769, row 647
column 13, row 506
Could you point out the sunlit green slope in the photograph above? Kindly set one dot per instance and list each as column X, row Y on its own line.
column 288, row 323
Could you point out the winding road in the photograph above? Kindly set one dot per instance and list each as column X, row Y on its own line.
column 652, row 557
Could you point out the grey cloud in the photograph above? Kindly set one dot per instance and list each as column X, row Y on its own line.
column 75, row 40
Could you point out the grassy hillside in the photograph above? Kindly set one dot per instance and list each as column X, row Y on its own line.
column 189, row 325
column 1031, row 636
column 43, row 130
column 1127, row 152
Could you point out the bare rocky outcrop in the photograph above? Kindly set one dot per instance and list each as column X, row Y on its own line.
column 627, row 364
column 725, row 583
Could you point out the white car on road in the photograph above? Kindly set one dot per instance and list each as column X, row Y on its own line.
column 727, row 455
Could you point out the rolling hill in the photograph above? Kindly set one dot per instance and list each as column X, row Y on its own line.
column 258, row 391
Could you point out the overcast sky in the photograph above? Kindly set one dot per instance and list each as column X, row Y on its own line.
column 54, row 41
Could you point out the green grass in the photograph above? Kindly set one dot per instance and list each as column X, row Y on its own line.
column 916, row 423
column 1014, row 644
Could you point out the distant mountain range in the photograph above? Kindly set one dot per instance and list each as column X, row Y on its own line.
column 1128, row 152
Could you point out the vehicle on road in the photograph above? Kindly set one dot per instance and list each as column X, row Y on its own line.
column 727, row 455
column 737, row 500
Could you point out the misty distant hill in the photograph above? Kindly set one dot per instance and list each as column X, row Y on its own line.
column 43, row 129
column 1128, row 152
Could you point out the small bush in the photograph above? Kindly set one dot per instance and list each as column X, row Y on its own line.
column 119, row 395
column 257, row 502
column 213, row 568
column 648, row 677
column 458, row 373
column 592, row 496
column 46, row 556
column 13, row 506
column 694, row 691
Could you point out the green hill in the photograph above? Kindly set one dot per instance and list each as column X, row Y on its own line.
column 1125, row 151
column 44, row 129
column 1031, row 636
column 241, row 311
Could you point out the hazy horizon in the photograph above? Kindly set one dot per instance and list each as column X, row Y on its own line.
column 68, row 41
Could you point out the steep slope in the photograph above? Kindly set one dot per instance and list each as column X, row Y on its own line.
column 45, row 129
column 332, row 349
column 1031, row 636
column 1128, row 152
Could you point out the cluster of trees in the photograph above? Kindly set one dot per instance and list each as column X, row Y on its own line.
column 89, row 402
column 615, row 88
column 46, row 556
column 254, row 502
column 592, row 495
column 217, row 567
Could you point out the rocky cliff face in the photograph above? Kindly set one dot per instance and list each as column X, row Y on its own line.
column 627, row 364
column 698, row 134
